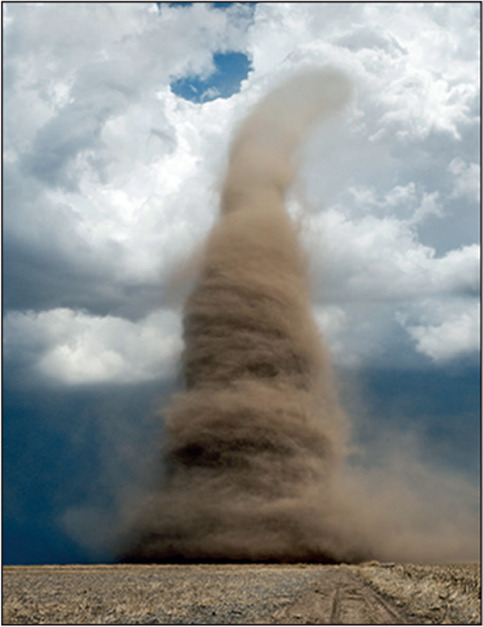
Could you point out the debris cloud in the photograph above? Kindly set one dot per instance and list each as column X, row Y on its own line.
column 253, row 440
column 255, row 445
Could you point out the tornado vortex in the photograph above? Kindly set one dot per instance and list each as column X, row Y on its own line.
column 254, row 439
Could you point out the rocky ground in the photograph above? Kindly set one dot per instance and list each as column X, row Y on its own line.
column 371, row 593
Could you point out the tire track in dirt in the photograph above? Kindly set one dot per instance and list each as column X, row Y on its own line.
column 340, row 598
column 334, row 614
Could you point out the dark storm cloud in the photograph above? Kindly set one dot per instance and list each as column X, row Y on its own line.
column 91, row 440
column 38, row 280
column 72, row 452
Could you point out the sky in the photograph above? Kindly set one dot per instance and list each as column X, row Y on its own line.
column 117, row 120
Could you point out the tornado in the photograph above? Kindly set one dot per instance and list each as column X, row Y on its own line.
column 253, row 441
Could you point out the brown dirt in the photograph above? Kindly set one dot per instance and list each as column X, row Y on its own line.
column 242, row 594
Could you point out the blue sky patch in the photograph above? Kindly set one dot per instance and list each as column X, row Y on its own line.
column 215, row 5
column 231, row 69
column 173, row 4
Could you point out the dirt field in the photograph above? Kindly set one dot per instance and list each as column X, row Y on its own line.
column 242, row 594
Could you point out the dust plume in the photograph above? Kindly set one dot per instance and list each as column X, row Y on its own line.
column 255, row 445
column 253, row 441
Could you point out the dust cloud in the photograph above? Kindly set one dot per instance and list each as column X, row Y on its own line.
column 255, row 445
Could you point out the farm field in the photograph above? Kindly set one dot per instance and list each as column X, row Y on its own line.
column 371, row 593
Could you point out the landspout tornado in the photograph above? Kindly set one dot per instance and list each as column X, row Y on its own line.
column 254, row 439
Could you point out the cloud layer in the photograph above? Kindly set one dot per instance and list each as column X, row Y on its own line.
column 111, row 179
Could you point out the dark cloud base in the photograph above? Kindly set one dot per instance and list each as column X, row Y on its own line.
column 38, row 281
column 440, row 405
column 65, row 448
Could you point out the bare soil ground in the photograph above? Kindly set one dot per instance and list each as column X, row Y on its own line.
column 195, row 594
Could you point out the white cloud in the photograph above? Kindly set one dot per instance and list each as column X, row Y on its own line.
column 381, row 259
column 111, row 175
column 466, row 179
column 378, row 272
column 446, row 331
column 75, row 348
